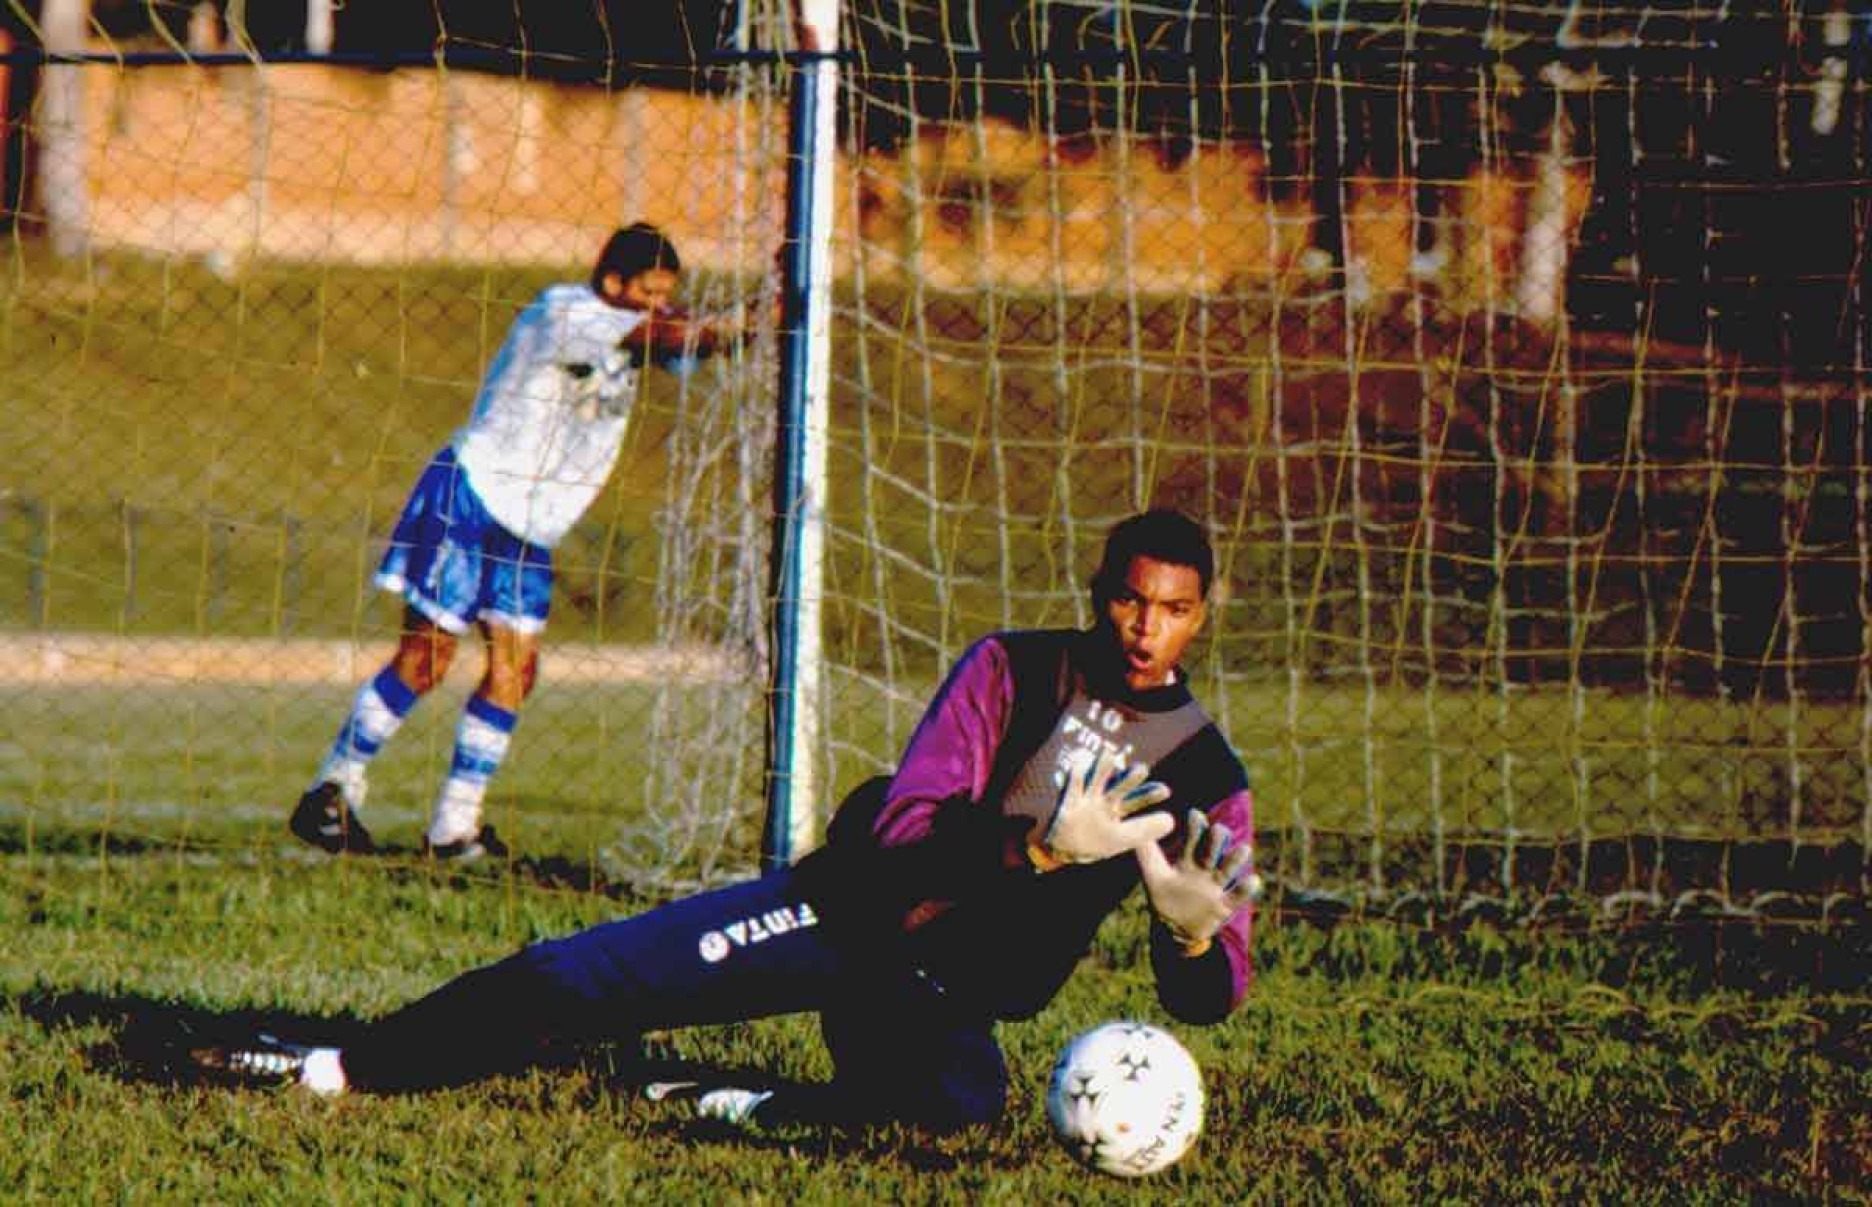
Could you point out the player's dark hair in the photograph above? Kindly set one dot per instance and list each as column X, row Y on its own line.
column 632, row 249
column 1162, row 534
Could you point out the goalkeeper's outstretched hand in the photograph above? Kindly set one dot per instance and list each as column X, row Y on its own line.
column 1211, row 879
column 1092, row 819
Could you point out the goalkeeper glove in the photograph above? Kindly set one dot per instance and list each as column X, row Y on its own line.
column 1210, row 880
column 1092, row 818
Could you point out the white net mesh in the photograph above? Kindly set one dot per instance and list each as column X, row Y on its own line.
column 1534, row 437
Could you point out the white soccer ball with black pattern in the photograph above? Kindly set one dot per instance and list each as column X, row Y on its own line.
column 1126, row 1098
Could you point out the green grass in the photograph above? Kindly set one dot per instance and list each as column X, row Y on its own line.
column 1373, row 1062
column 218, row 766
column 205, row 763
column 147, row 888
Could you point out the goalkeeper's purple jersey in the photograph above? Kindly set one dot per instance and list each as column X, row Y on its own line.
column 551, row 414
column 1017, row 710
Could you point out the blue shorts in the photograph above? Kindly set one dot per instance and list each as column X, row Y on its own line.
column 456, row 565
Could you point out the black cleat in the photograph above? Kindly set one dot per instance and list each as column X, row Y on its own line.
column 324, row 819
column 267, row 1060
column 264, row 1061
column 486, row 844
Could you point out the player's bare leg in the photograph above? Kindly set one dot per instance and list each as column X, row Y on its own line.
column 424, row 652
column 481, row 743
column 512, row 666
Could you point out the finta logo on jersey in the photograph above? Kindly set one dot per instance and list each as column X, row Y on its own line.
column 1083, row 740
column 717, row 945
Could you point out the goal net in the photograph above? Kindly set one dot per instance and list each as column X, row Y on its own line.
column 1515, row 355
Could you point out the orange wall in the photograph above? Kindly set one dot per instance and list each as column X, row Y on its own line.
column 413, row 165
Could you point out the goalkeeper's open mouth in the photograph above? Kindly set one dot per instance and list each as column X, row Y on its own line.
column 1141, row 668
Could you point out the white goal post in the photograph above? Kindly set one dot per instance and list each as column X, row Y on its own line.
column 797, row 703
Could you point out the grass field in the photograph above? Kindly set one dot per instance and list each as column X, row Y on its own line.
column 150, row 896
column 203, row 762
column 1375, row 1061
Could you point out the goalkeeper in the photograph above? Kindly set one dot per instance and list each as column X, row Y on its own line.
column 958, row 893
column 473, row 547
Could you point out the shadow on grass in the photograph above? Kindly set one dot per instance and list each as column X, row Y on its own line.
column 17, row 838
column 150, row 1040
column 153, row 1042
column 559, row 873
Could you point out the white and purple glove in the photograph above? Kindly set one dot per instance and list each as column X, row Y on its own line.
column 1092, row 819
column 1211, row 879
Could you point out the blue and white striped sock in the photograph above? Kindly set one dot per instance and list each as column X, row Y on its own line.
column 481, row 742
column 377, row 711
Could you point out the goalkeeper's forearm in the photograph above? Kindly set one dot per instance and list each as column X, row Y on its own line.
column 1201, row 988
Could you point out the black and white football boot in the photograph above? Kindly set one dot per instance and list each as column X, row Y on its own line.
column 486, row 844
column 269, row 1060
column 326, row 820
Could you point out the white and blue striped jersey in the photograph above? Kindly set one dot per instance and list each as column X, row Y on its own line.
column 551, row 414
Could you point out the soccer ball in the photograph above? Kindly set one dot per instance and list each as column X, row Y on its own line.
column 1126, row 1098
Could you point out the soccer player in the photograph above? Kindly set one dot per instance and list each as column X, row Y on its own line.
column 1054, row 771
column 473, row 547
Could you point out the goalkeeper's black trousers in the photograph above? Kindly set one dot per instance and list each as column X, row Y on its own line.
column 901, row 1051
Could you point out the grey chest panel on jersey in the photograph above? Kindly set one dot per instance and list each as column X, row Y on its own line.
column 1085, row 726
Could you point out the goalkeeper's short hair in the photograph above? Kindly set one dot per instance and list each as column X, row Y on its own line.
column 1163, row 534
column 634, row 249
